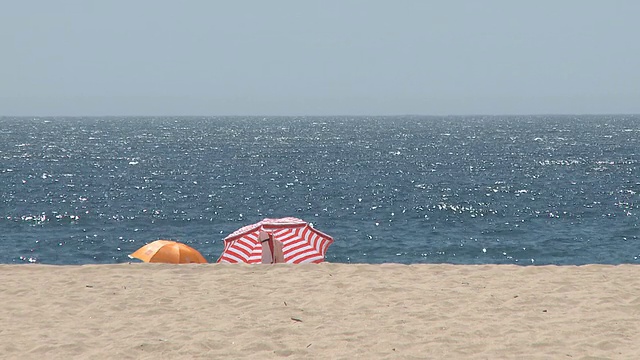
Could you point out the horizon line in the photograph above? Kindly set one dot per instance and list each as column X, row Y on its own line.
column 317, row 116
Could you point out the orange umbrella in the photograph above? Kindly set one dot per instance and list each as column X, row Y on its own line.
column 167, row 251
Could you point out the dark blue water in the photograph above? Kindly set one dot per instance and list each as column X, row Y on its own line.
column 464, row 190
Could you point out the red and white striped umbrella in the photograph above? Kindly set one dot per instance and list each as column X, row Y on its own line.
column 300, row 242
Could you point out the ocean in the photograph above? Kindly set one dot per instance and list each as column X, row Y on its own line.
column 528, row 190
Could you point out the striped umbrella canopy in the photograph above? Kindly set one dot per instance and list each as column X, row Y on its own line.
column 300, row 242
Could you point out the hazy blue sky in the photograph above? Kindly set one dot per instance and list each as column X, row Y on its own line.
column 300, row 57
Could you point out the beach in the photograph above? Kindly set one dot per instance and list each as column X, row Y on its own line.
column 325, row 311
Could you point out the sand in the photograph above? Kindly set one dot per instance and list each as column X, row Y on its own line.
column 326, row 311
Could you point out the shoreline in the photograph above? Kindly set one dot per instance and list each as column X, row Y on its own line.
column 325, row 311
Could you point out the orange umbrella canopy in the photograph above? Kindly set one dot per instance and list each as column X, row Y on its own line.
column 167, row 251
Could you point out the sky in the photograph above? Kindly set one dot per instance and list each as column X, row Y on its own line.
column 324, row 57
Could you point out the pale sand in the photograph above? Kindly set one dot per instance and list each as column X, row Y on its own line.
column 327, row 311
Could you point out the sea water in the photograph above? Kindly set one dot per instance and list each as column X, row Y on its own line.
column 407, row 189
